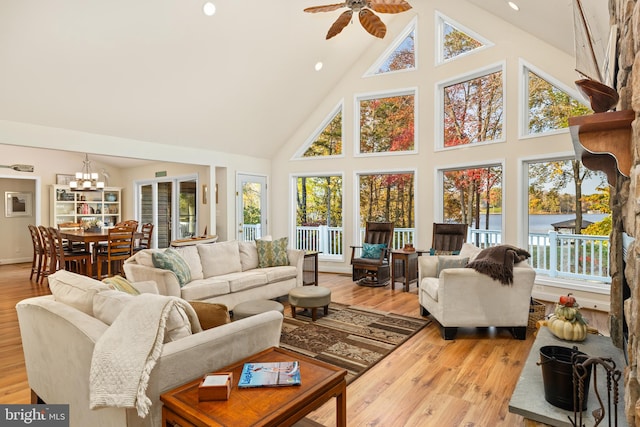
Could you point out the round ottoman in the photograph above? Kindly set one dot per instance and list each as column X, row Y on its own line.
column 311, row 297
column 253, row 307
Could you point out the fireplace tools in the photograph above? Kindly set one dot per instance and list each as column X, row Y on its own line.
column 582, row 367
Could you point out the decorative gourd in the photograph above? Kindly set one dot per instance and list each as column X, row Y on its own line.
column 575, row 330
column 566, row 322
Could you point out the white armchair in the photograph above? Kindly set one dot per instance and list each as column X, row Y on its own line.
column 462, row 297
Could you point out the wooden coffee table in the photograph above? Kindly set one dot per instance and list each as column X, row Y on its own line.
column 262, row 406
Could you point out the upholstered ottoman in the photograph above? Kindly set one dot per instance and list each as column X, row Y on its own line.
column 311, row 297
column 253, row 307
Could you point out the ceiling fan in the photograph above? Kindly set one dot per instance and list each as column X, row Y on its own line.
column 368, row 19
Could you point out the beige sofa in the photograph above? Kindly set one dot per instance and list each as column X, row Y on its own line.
column 59, row 336
column 223, row 272
column 462, row 297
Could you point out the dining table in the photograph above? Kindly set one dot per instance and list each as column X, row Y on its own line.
column 90, row 237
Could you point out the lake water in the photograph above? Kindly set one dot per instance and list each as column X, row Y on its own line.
column 540, row 223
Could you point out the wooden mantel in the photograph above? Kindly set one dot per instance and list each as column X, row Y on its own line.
column 603, row 142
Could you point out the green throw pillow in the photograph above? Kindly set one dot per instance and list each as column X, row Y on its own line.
column 445, row 262
column 272, row 253
column 171, row 260
column 121, row 284
column 372, row 250
column 433, row 252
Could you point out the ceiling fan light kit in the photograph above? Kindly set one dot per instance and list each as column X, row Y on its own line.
column 365, row 8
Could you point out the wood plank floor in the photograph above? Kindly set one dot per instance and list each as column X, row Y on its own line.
column 426, row 382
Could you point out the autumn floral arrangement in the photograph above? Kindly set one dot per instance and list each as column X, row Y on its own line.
column 93, row 224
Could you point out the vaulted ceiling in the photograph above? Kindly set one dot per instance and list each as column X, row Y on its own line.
column 240, row 81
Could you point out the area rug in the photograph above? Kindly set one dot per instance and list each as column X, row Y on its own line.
column 354, row 338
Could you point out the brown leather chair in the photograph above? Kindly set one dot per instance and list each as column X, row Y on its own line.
column 369, row 269
column 119, row 247
column 448, row 238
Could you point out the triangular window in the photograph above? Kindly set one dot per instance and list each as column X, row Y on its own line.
column 456, row 40
column 401, row 54
column 327, row 140
column 549, row 107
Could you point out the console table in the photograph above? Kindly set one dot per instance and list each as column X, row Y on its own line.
column 528, row 397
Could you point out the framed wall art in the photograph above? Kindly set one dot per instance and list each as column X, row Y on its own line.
column 17, row 204
column 64, row 179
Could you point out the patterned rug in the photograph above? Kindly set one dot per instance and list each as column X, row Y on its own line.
column 354, row 338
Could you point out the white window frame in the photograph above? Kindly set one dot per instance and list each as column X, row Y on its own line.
column 411, row 27
column 298, row 155
column 440, row 20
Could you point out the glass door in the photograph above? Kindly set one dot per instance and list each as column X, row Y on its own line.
column 252, row 207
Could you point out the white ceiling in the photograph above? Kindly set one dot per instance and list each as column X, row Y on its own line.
column 241, row 81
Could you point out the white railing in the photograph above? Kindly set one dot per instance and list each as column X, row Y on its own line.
column 574, row 256
column 251, row 232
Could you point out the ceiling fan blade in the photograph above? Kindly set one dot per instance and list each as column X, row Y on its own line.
column 325, row 8
column 389, row 6
column 372, row 23
column 340, row 23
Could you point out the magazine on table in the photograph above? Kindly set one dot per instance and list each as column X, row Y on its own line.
column 270, row 374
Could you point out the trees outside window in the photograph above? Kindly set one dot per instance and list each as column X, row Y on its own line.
column 387, row 123
column 389, row 197
column 473, row 110
column 473, row 196
column 319, row 213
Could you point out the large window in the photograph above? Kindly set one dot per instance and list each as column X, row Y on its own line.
column 387, row 123
column 388, row 197
column 473, row 110
column 474, row 196
column 319, row 214
column 327, row 141
column 455, row 39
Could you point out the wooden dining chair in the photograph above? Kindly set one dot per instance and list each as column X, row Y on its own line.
column 78, row 261
column 118, row 248
column 38, row 252
column 145, row 241
column 46, row 253
column 68, row 245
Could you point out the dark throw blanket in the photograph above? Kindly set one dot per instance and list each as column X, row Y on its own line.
column 497, row 262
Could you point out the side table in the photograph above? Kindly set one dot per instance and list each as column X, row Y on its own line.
column 310, row 268
column 264, row 406
column 409, row 268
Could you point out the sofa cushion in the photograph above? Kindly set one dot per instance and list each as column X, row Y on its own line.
column 445, row 262
column 470, row 251
column 272, row 253
column 372, row 250
column 145, row 257
column 220, row 258
column 277, row 274
column 192, row 257
column 245, row 280
column 430, row 285
column 205, row 288
column 121, row 284
column 248, row 255
column 107, row 305
column 211, row 314
column 170, row 259
column 75, row 290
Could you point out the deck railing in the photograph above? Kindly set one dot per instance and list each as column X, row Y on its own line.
column 572, row 256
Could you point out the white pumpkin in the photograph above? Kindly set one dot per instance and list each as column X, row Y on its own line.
column 575, row 330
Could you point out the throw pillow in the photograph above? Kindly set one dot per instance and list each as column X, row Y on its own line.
column 171, row 260
column 192, row 257
column 272, row 253
column 434, row 252
column 210, row 314
column 75, row 290
column 108, row 304
column 248, row 255
column 220, row 258
column 469, row 250
column 445, row 262
column 372, row 250
column 121, row 284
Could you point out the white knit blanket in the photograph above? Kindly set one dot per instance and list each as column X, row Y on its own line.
column 126, row 353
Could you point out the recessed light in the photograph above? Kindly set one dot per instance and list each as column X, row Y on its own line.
column 209, row 8
column 513, row 6
column 318, row 66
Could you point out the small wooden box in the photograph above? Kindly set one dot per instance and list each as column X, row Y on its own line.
column 215, row 386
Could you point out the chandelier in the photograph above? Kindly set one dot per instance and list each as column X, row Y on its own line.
column 86, row 180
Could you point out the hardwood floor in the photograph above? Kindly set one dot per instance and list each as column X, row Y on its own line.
column 426, row 382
